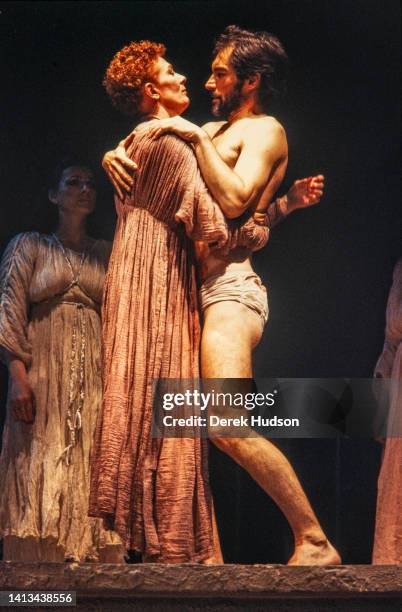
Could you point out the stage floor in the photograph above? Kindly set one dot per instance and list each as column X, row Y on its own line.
column 220, row 587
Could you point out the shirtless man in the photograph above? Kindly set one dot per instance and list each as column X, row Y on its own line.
column 243, row 159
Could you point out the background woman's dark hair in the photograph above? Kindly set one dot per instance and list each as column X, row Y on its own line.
column 68, row 161
column 43, row 216
column 256, row 52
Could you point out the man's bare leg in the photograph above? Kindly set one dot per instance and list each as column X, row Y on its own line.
column 230, row 332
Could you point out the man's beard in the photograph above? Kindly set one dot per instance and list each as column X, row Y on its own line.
column 222, row 109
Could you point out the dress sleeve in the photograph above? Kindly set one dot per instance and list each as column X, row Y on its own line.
column 385, row 361
column 393, row 328
column 16, row 271
column 201, row 215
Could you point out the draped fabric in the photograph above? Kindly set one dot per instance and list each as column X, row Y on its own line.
column 42, row 499
column 154, row 492
column 208, row 224
column 388, row 530
column 245, row 232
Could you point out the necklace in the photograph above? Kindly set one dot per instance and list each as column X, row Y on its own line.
column 76, row 379
column 75, row 277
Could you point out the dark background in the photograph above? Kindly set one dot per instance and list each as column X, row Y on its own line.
column 328, row 269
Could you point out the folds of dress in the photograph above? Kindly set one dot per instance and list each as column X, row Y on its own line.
column 154, row 491
column 50, row 320
column 388, row 529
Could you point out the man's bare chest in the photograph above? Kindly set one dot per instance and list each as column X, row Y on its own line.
column 227, row 142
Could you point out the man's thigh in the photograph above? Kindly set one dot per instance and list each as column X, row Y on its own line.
column 230, row 332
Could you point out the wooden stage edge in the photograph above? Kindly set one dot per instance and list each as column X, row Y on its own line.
column 217, row 587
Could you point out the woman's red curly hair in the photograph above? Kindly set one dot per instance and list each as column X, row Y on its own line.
column 128, row 71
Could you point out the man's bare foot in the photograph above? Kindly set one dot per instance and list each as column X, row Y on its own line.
column 314, row 551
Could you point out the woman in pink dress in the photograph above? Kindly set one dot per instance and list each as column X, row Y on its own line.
column 388, row 528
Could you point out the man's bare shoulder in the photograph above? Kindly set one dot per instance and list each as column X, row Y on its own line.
column 265, row 130
column 264, row 123
column 212, row 127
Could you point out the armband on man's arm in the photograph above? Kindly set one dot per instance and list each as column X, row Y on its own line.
column 277, row 211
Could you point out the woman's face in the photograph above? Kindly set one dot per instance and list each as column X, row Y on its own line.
column 76, row 191
column 171, row 87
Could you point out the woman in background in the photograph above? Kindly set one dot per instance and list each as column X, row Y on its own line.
column 50, row 339
column 388, row 528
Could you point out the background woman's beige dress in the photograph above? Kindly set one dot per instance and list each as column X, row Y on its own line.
column 388, row 530
column 53, row 325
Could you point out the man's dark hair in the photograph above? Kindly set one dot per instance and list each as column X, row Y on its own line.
column 256, row 53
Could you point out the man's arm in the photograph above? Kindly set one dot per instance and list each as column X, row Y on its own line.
column 120, row 168
column 303, row 193
column 262, row 147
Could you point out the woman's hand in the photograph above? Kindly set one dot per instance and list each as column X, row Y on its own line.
column 305, row 192
column 120, row 168
column 22, row 399
column 190, row 132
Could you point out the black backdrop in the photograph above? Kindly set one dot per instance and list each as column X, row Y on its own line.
column 328, row 269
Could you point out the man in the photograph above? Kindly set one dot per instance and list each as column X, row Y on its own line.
column 243, row 161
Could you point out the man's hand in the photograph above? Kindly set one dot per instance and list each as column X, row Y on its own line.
column 176, row 125
column 22, row 399
column 120, row 168
column 305, row 192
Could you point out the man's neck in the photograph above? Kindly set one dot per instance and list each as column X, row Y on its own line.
column 248, row 110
